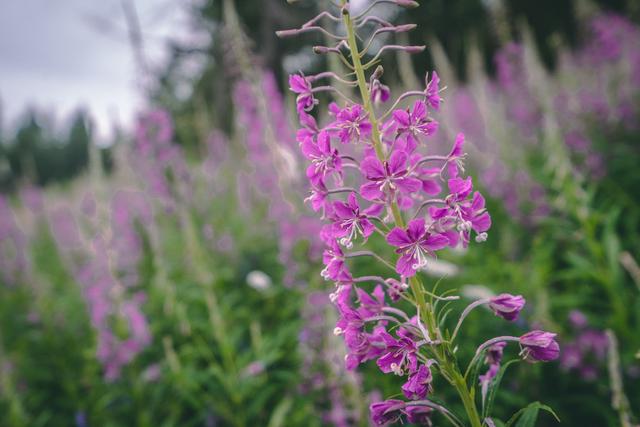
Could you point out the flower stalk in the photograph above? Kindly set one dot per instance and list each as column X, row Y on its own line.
column 384, row 154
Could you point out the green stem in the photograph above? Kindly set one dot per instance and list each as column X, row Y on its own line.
column 362, row 85
column 467, row 400
column 450, row 368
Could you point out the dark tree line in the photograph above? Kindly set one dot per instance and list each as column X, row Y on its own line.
column 38, row 155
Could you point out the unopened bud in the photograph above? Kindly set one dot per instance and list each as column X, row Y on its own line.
column 414, row 49
column 320, row 50
column 377, row 73
column 409, row 4
column 405, row 28
column 286, row 33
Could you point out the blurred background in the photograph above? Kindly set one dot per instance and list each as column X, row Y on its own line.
column 158, row 266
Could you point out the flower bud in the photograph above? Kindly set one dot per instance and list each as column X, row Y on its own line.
column 507, row 306
column 539, row 346
column 409, row 4
column 414, row 49
column 321, row 50
column 404, row 28
column 286, row 33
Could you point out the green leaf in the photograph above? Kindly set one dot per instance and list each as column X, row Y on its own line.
column 493, row 388
column 280, row 412
column 528, row 416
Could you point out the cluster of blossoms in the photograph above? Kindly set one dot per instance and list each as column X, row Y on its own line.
column 371, row 179
column 593, row 94
column 159, row 163
column 587, row 351
column 104, row 263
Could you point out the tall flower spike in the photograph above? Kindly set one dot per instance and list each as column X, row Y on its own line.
column 421, row 220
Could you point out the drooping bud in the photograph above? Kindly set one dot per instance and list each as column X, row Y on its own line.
column 409, row 4
column 507, row 306
column 539, row 346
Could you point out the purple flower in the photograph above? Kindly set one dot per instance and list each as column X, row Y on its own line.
column 414, row 244
column 353, row 124
column 379, row 93
column 487, row 377
column 419, row 414
column 507, row 306
column 494, row 353
column 399, row 354
column 577, row 319
column 300, row 85
column 427, row 175
column 432, row 92
column 387, row 178
column 361, row 346
column 539, row 346
column 459, row 189
column 465, row 214
column 318, row 197
column 477, row 215
column 386, row 412
column 395, row 289
column 309, row 127
column 413, row 123
column 371, row 305
column 333, row 259
column 419, row 384
column 349, row 221
column 324, row 159
column 456, row 157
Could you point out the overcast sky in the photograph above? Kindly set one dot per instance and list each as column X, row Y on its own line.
column 62, row 54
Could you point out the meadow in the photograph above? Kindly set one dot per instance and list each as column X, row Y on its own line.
column 192, row 279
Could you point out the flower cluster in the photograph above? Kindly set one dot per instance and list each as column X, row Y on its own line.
column 105, row 263
column 587, row 352
column 371, row 178
column 159, row 163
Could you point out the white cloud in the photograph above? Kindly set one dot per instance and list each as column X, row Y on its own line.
column 69, row 53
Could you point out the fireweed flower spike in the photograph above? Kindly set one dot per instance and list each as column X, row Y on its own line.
column 370, row 180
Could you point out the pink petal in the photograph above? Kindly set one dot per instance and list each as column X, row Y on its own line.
column 402, row 117
column 372, row 168
column 398, row 238
column 371, row 191
column 404, row 266
column 397, row 161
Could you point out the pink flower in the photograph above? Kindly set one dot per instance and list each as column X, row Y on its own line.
column 300, row 85
column 333, row 259
column 507, row 306
column 399, row 355
column 414, row 245
column 387, row 412
column 371, row 305
column 432, row 92
column 324, row 159
column 419, row 384
column 413, row 123
column 539, row 346
column 349, row 221
column 353, row 124
column 379, row 93
column 388, row 178
column 456, row 157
